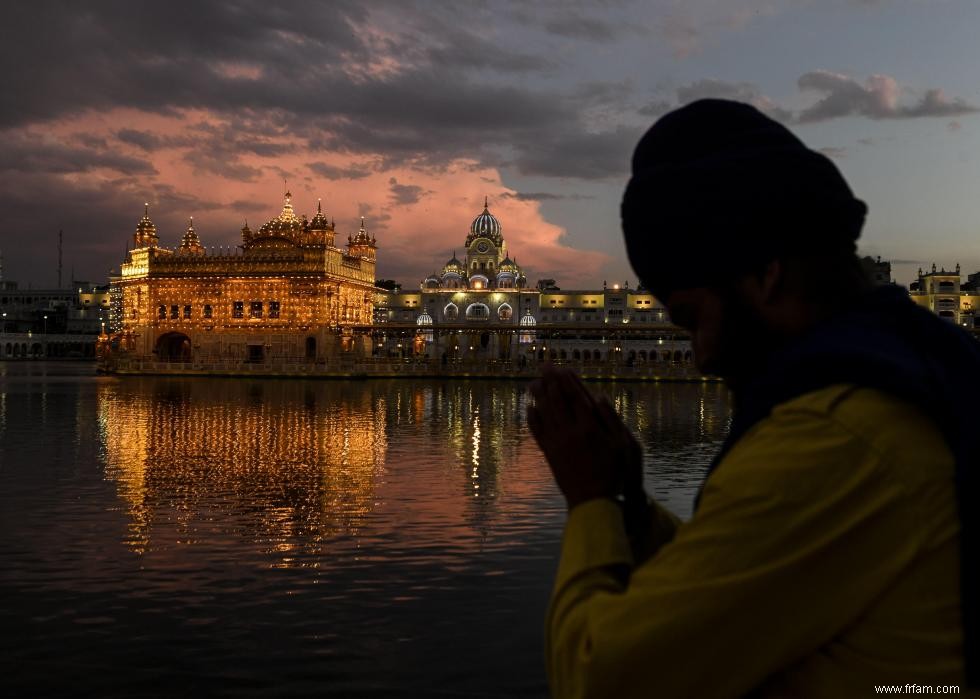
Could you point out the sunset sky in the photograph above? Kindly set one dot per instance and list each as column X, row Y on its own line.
column 410, row 113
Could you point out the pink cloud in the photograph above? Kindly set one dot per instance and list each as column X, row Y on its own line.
column 202, row 171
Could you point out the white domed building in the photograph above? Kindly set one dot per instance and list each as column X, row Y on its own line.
column 480, row 308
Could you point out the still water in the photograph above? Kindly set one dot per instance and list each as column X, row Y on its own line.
column 222, row 537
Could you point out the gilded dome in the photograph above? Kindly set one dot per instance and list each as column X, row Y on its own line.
column 286, row 224
column 485, row 225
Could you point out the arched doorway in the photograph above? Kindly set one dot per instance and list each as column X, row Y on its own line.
column 311, row 348
column 174, row 347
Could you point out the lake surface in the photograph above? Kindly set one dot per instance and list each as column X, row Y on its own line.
column 230, row 537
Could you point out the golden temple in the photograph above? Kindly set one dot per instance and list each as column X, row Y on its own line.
column 287, row 293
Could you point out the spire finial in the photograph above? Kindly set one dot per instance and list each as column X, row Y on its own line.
column 485, row 202
column 146, row 208
column 318, row 210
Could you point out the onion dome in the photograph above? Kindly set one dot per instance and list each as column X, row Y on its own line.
column 454, row 265
column 508, row 265
column 424, row 318
column 319, row 221
column 528, row 319
column 485, row 226
column 146, row 232
column 190, row 243
column 285, row 225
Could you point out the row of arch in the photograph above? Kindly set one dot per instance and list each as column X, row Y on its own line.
column 477, row 311
column 504, row 280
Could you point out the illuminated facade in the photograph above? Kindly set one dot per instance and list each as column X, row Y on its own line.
column 481, row 308
column 287, row 293
column 943, row 293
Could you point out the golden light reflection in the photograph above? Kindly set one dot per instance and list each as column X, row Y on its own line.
column 476, row 455
column 285, row 463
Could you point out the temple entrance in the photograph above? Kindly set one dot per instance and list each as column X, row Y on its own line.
column 174, row 347
column 311, row 348
column 256, row 354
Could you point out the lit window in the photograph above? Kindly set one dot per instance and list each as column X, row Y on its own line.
column 187, row 312
column 238, row 309
column 162, row 313
column 255, row 309
column 175, row 311
column 477, row 310
column 273, row 309
column 208, row 312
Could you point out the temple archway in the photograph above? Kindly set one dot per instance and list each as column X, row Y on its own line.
column 174, row 347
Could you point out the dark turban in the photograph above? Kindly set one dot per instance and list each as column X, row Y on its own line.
column 719, row 189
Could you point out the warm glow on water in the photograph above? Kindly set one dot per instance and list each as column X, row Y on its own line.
column 166, row 537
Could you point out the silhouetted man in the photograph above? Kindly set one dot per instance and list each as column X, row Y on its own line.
column 833, row 547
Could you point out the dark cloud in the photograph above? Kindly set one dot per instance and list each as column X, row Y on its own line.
column 98, row 217
column 144, row 140
column 249, row 206
column 356, row 171
column 32, row 153
column 155, row 56
column 222, row 162
column 425, row 88
column 90, row 140
column 405, row 193
column 572, row 153
column 879, row 97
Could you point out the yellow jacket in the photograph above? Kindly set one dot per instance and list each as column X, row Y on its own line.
column 823, row 561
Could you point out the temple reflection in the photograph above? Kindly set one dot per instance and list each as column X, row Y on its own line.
column 295, row 463
column 304, row 469
column 283, row 461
